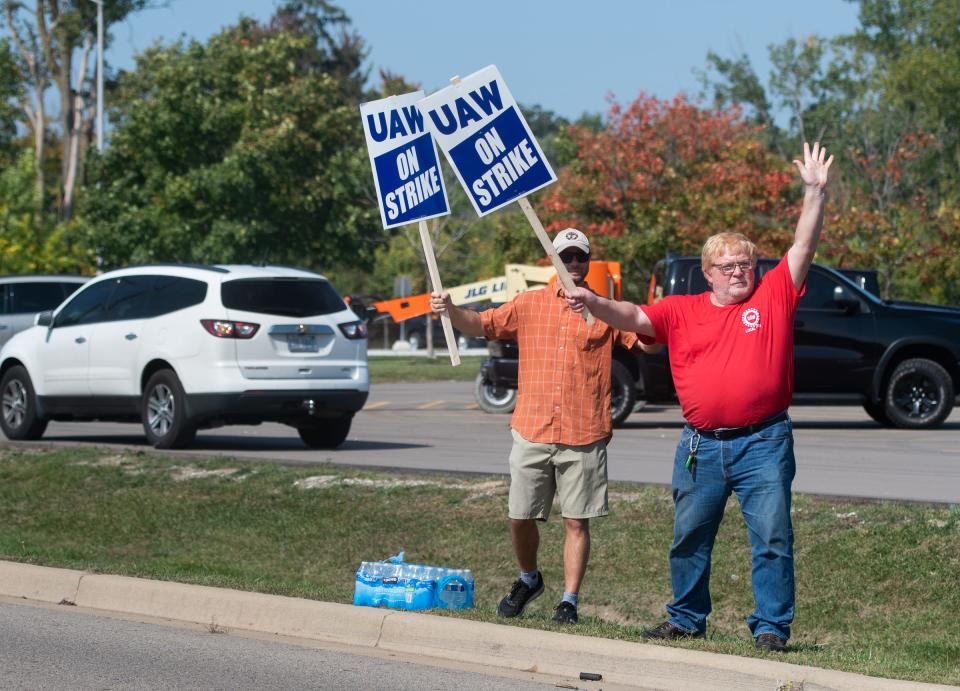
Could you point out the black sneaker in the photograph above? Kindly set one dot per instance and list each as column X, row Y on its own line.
column 770, row 642
column 566, row 613
column 520, row 595
column 667, row 631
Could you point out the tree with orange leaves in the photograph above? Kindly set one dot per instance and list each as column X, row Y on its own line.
column 664, row 175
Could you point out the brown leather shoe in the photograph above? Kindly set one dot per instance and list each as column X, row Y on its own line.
column 770, row 642
column 667, row 631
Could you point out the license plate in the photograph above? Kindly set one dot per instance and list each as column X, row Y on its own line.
column 302, row 343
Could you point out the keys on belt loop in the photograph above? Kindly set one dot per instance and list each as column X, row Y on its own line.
column 694, row 445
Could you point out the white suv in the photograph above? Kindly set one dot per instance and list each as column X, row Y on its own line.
column 184, row 347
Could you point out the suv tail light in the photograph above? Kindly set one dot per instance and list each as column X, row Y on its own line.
column 222, row 328
column 355, row 329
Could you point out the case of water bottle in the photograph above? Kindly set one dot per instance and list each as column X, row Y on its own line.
column 397, row 584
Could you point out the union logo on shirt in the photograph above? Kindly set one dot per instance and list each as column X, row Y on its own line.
column 751, row 319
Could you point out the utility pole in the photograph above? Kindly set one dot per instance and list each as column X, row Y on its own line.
column 99, row 4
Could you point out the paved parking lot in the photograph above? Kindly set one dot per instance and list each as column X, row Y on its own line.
column 437, row 426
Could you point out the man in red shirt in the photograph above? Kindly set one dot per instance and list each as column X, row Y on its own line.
column 731, row 354
column 561, row 424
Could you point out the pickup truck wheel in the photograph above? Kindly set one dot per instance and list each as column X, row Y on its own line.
column 163, row 410
column 326, row 433
column 920, row 394
column 494, row 399
column 878, row 413
column 623, row 393
column 18, row 406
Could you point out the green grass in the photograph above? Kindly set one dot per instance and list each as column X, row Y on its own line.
column 391, row 370
column 877, row 583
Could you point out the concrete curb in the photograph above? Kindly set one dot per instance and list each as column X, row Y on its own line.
column 620, row 662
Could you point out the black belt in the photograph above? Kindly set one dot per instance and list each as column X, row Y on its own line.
column 732, row 432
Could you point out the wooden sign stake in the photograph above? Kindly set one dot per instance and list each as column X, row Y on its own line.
column 438, row 288
column 565, row 280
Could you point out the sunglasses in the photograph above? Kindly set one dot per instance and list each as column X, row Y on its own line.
column 569, row 255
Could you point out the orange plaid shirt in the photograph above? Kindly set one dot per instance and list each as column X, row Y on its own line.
column 564, row 379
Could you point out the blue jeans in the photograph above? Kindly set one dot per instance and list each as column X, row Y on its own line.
column 759, row 468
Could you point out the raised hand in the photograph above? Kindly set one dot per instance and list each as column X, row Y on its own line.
column 813, row 170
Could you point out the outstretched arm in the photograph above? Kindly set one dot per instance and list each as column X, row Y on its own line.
column 465, row 321
column 620, row 315
column 813, row 172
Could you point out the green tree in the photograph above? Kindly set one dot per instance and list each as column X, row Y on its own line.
column 26, row 247
column 886, row 99
column 54, row 40
column 912, row 49
column 244, row 149
column 9, row 93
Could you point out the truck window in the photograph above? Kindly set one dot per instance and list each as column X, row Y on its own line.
column 819, row 295
column 697, row 282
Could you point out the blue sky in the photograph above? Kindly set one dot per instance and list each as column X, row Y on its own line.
column 564, row 56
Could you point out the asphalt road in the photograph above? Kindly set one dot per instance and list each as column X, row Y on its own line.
column 61, row 647
column 437, row 426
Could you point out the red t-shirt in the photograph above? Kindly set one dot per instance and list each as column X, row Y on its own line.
column 732, row 365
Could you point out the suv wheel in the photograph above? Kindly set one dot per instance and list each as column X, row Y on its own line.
column 494, row 399
column 18, row 406
column 623, row 394
column 326, row 433
column 919, row 394
column 164, row 412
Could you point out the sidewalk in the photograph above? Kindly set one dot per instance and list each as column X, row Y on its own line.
column 620, row 662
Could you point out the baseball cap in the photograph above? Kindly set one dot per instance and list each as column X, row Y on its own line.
column 571, row 237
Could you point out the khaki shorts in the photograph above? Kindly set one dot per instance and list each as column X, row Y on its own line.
column 577, row 475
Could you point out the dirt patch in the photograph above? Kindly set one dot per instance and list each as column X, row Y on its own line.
column 315, row 481
column 612, row 615
column 478, row 490
column 182, row 473
column 112, row 460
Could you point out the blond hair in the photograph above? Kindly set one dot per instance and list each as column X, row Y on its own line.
column 730, row 243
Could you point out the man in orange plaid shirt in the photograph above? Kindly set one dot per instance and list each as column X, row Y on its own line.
column 561, row 424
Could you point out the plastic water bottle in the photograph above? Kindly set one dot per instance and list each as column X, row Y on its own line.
column 396, row 584
column 455, row 590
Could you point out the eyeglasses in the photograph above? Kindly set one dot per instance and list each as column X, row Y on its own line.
column 728, row 269
column 569, row 256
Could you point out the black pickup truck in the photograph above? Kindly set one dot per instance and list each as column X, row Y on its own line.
column 899, row 360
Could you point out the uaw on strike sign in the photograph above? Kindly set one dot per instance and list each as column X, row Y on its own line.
column 484, row 136
column 406, row 170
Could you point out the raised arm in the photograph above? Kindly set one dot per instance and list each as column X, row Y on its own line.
column 813, row 172
column 465, row 321
column 620, row 315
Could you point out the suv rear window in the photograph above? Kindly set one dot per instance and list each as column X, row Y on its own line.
column 288, row 297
